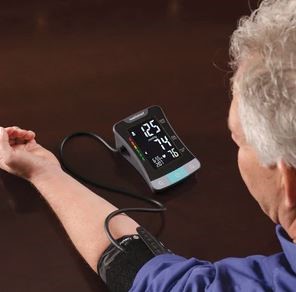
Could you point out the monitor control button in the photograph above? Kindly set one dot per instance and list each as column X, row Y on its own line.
column 177, row 175
column 160, row 183
column 192, row 166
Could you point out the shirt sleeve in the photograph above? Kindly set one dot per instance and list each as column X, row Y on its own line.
column 170, row 272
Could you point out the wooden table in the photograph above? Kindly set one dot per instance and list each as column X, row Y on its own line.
column 71, row 66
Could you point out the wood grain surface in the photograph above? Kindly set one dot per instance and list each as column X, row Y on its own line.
column 83, row 65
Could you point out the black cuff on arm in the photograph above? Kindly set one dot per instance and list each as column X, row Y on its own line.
column 118, row 268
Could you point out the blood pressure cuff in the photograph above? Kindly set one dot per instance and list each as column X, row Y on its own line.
column 119, row 268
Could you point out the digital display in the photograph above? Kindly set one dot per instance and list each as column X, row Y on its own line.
column 150, row 141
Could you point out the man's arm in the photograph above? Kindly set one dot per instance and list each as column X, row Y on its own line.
column 81, row 211
column 82, row 214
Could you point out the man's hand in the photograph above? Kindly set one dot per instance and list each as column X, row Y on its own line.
column 21, row 155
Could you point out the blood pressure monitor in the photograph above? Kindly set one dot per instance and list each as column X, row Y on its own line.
column 147, row 140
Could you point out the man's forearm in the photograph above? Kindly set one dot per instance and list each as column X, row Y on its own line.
column 82, row 214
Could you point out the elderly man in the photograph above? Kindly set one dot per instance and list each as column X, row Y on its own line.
column 262, row 121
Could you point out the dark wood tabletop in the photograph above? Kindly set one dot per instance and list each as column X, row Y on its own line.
column 83, row 65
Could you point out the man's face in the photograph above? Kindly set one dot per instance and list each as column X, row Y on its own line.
column 263, row 182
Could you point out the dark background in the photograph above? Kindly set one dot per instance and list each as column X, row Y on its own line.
column 77, row 65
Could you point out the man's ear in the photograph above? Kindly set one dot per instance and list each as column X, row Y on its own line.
column 288, row 180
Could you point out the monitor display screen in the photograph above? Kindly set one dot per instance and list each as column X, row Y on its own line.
column 153, row 143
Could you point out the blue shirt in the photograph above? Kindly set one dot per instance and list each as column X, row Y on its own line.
column 170, row 272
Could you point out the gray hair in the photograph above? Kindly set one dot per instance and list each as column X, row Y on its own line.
column 263, row 52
